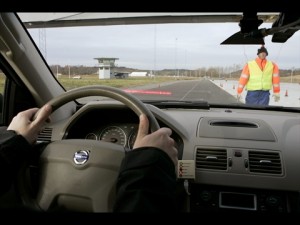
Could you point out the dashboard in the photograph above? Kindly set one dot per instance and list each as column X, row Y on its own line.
column 244, row 160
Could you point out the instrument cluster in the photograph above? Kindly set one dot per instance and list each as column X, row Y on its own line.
column 122, row 134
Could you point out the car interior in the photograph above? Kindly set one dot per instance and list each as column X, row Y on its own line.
column 232, row 157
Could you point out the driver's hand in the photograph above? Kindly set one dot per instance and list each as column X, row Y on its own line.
column 29, row 128
column 160, row 139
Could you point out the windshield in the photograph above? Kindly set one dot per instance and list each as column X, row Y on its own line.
column 173, row 62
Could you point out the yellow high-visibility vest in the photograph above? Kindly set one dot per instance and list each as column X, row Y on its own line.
column 258, row 79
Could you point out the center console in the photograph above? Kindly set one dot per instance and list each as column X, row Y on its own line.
column 220, row 198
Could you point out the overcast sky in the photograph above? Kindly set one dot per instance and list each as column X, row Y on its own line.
column 164, row 46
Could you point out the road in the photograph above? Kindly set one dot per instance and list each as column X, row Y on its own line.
column 183, row 90
column 214, row 92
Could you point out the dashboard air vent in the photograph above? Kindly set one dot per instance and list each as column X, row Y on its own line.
column 214, row 159
column 264, row 162
column 45, row 135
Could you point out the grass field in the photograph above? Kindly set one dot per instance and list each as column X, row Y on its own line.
column 119, row 83
column 70, row 83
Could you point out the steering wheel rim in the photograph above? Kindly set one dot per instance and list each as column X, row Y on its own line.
column 23, row 185
column 100, row 90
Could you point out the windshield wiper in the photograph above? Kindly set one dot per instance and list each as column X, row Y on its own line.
column 178, row 104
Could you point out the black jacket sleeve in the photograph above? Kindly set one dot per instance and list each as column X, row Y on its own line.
column 146, row 182
column 13, row 151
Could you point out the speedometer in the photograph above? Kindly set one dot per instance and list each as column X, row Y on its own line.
column 91, row 136
column 113, row 134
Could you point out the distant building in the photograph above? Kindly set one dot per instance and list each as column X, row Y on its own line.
column 105, row 67
column 139, row 74
column 121, row 75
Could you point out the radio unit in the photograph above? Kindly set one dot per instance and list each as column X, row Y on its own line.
column 214, row 198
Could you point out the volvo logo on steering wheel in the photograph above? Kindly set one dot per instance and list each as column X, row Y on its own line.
column 81, row 157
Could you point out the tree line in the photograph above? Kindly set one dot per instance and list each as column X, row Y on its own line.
column 217, row 72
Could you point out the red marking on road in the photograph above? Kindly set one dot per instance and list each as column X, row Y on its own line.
column 148, row 92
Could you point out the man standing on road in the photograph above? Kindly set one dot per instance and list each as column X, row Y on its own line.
column 259, row 76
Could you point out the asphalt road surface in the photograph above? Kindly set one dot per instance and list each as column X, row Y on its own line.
column 194, row 90
column 181, row 90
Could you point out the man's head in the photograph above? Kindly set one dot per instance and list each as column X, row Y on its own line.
column 262, row 52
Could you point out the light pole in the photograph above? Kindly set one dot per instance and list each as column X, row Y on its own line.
column 154, row 50
column 292, row 70
column 69, row 72
column 175, row 56
column 185, row 62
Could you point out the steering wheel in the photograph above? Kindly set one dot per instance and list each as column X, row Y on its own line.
column 76, row 174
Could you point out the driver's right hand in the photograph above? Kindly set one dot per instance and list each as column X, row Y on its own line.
column 160, row 139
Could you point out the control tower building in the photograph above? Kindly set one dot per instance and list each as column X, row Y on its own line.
column 106, row 66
